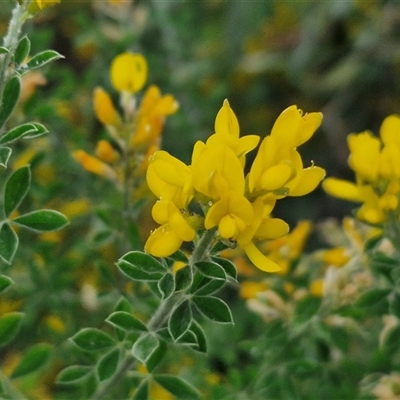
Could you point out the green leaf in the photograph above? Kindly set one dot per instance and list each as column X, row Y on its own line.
column 35, row 358
column 208, row 286
column 143, row 261
column 372, row 297
column 306, row 308
column 39, row 131
column 5, row 282
column 372, row 242
column 394, row 305
column 17, row 187
column 9, row 99
column 123, row 305
column 180, row 256
column 183, row 278
column 73, row 374
column 126, row 321
column 200, row 336
column 211, row 270
column 41, row 59
column 392, row 340
column 4, row 50
column 228, row 266
column 180, row 320
column 142, row 392
column 17, row 133
column 108, row 364
column 92, row 339
column 166, row 285
column 9, row 327
column 8, row 243
column 177, row 387
column 145, row 347
column 157, row 356
column 5, row 153
column 214, row 309
column 42, row 220
column 22, row 50
column 137, row 274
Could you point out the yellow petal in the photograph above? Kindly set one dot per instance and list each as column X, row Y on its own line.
column 286, row 127
column 104, row 108
column 276, row 177
column 343, row 189
column 94, row 165
column 128, row 72
column 163, row 242
column 179, row 224
column 227, row 227
column 309, row 179
column 390, row 129
column 159, row 212
column 259, row 260
column 106, row 152
column 272, row 228
column 226, row 122
column 310, row 123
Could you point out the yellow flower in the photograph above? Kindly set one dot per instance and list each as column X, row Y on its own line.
column 250, row 290
column 128, row 72
column 151, row 117
column 38, row 5
column 106, row 152
column 104, row 108
column 94, row 165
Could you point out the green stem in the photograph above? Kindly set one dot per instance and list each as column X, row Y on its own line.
column 158, row 319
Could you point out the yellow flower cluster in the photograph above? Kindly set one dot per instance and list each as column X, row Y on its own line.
column 135, row 134
column 236, row 205
column 375, row 162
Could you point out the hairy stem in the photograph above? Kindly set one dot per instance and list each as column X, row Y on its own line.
column 158, row 319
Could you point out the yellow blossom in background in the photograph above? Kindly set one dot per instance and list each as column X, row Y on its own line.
column 104, row 108
column 93, row 164
column 128, row 72
column 250, row 290
column 106, row 152
column 375, row 162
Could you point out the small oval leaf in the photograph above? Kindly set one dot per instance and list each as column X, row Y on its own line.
column 227, row 265
column 22, row 50
column 372, row 297
column 183, row 278
column 92, row 339
column 9, row 100
column 137, row 274
column 40, row 130
column 8, row 243
column 5, row 153
column 214, row 309
column 9, row 327
column 166, row 285
column 144, row 347
column 200, row 337
column 143, row 261
column 177, row 387
column 35, row 358
column 108, row 364
column 126, row 321
column 17, row 187
column 5, row 282
column 41, row 59
column 42, row 220
column 17, row 133
column 180, row 320
column 142, row 392
column 211, row 270
column 73, row 374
